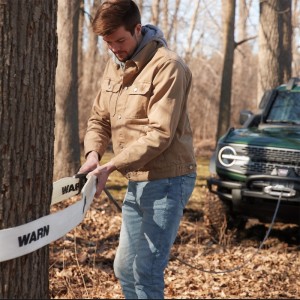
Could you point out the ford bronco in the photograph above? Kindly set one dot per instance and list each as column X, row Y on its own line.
column 256, row 165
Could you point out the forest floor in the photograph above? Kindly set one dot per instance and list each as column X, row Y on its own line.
column 201, row 266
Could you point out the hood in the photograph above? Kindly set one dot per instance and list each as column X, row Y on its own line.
column 149, row 33
column 278, row 137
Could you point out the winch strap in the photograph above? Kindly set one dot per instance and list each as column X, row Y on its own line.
column 26, row 238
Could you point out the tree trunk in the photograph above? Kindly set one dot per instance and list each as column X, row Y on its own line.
column 173, row 25
column 244, row 76
column 155, row 12
column 140, row 4
column 165, row 19
column 189, row 47
column 93, row 63
column 80, row 41
column 225, row 96
column 67, row 146
column 274, row 44
column 295, row 41
column 286, row 32
column 28, row 60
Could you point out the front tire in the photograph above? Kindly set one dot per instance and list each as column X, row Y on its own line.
column 216, row 216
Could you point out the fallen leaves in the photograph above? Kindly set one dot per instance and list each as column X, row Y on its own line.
column 81, row 263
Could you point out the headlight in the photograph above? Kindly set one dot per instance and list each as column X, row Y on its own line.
column 227, row 157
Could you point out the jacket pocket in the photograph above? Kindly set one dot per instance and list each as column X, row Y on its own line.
column 137, row 101
column 109, row 93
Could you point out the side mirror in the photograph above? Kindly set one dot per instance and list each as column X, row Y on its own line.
column 244, row 116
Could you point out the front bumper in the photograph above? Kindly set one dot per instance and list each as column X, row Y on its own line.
column 258, row 195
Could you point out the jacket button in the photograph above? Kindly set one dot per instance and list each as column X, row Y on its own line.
column 119, row 117
column 191, row 167
column 135, row 89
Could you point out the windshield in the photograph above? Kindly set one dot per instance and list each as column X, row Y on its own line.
column 285, row 108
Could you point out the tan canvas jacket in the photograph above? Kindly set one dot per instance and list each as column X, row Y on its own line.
column 143, row 109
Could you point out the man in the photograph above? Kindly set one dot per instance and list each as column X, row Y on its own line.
column 142, row 108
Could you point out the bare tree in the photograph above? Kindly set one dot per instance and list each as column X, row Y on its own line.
column 155, row 12
column 141, row 6
column 245, row 67
column 189, row 46
column 92, row 64
column 274, row 44
column 80, row 40
column 286, row 32
column 173, row 23
column 165, row 21
column 67, row 146
column 225, row 95
column 296, row 45
column 27, row 90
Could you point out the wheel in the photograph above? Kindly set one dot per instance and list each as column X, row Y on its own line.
column 216, row 215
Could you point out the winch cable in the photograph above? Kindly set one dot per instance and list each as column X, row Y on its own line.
column 111, row 198
column 248, row 260
column 222, row 271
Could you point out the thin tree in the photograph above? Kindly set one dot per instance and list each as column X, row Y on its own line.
column 92, row 65
column 295, row 42
column 275, row 36
column 67, row 146
column 28, row 60
column 155, row 12
column 173, row 24
column 189, row 47
column 140, row 4
column 245, row 64
column 228, row 46
column 286, row 32
column 80, row 41
column 165, row 19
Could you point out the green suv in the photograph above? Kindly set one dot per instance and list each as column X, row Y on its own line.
column 256, row 165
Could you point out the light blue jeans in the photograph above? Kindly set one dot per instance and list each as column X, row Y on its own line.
column 151, row 214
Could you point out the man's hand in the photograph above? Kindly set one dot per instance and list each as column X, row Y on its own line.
column 92, row 167
column 102, row 173
column 91, row 163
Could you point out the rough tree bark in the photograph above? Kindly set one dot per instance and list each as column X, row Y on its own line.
column 28, row 60
column 67, row 146
column 92, row 65
column 275, row 36
column 228, row 40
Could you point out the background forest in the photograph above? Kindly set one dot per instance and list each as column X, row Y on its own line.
column 197, row 31
column 235, row 49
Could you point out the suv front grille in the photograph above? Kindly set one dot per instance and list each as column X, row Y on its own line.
column 265, row 160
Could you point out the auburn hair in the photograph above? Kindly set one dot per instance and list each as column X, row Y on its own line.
column 112, row 14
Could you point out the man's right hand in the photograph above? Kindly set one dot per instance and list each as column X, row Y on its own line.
column 91, row 163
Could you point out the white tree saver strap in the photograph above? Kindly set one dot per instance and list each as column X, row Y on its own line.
column 23, row 239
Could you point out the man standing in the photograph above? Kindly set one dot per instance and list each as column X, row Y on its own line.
column 142, row 108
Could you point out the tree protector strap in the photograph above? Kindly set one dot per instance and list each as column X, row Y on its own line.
column 20, row 240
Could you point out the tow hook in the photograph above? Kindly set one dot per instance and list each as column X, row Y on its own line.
column 278, row 189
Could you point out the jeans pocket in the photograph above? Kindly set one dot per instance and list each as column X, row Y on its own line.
column 188, row 184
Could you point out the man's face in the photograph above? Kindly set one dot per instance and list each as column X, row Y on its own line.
column 122, row 43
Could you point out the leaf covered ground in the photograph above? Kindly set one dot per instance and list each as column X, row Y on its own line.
column 200, row 267
column 233, row 264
